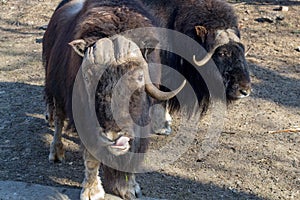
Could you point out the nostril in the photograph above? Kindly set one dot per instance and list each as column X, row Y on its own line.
column 244, row 92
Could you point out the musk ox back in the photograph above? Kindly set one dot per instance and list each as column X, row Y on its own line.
column 82, row 36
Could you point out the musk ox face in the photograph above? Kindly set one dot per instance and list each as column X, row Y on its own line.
column 230, row 60
column 119, row 102
column 227, row 51
column 117, row 70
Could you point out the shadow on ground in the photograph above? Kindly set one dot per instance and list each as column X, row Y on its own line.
column 275, row 87
column 267, row 2
column 172, row 187
column 24, row 152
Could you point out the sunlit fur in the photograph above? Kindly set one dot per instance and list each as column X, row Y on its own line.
column 214, row 15
column 92, row 20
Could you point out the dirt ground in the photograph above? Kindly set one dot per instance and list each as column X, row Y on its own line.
column 249, row 162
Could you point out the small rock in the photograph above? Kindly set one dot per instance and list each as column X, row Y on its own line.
column 239, row 183
column 39, row 40
column 279, row 17
column 298, row 49
column 297, row 68
column 295, row 162
column 44, row 27
column 270, row 19
column 284, row 8
column 265, row 19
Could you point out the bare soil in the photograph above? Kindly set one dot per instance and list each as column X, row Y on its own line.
column 258, row 153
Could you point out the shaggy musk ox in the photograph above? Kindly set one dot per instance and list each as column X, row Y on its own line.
column 214, row 25
column 83, row 35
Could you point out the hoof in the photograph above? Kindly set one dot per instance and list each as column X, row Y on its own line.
column 138, row 191
column 162, row 121
column 133, row 192
column 163, row 131
column 166, row 130
column 94, row 192
column 56, row 158
column 57, row 153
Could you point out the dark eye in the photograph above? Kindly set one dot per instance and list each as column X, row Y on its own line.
column 140, row 77
column 221, row 54
column 224, row 53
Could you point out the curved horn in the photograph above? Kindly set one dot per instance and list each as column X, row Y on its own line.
column 222, row 37
column 128, row 48
column 232, row 35
column 209, row 54
column 204, row 60
column 154, row 92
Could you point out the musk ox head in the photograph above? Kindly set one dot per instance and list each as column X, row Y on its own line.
column 117, row 83
column 228, row 53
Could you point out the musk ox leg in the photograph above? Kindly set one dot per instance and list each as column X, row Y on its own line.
column 120, row 183
column 49, row 114
column 57, row 152
column 91, row 187
column 161, row 120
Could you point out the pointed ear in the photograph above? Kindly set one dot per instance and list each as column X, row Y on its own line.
column 78, row 46
column 201, row 32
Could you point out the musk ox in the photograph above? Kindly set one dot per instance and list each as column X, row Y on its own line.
column 214, row 25
column 83, row 35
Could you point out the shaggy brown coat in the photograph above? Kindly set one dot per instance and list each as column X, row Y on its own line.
column 90, row 21
column 201, row 20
